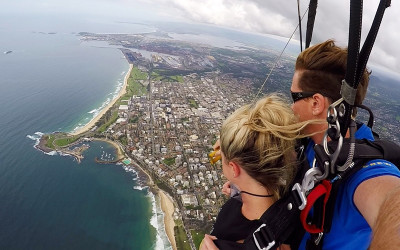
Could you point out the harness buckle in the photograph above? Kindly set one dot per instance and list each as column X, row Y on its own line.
column 264, row 237
column 310, row 178
column 333, row 122
column 302, row 195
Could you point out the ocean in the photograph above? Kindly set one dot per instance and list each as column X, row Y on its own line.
column 52, row 81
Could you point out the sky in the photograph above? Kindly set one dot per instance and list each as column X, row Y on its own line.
column 276, row 17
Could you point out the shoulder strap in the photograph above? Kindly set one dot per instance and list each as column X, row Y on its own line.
column 227, row 244
column 281, row 222
column 366, row 150
column 356, row 59
column 312, row 11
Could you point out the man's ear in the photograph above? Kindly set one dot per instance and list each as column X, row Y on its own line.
column 318, row 105
column 235, row 169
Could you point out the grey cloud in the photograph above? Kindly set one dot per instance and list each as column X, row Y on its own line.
column 280, row 18
column 277, row 17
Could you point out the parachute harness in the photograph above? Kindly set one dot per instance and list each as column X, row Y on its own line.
column 319, row 184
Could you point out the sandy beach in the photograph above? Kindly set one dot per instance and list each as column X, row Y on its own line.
column 88, row 126
column 167, row 206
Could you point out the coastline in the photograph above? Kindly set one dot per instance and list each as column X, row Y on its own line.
column 166, row 201
column 167, row 207
column 167, row 204
column 89, row 125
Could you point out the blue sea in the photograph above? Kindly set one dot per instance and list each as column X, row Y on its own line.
column 52, row 81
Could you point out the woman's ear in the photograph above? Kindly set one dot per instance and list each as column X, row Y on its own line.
column 235, row 169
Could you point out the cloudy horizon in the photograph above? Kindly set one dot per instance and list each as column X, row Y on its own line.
column 281, row 18
column 265, row 17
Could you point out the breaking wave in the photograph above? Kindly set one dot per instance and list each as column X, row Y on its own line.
column 36, row 137
column 110, row 97
column 157, row 221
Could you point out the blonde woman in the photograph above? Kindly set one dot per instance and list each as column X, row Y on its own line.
column 258, row 157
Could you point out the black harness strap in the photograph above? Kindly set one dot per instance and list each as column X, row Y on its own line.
column 281, row 220
column 280, row 223
column 301, row 35
column 312, row 12
column 371, row 115
column 369, row 41
column 349, row 85
column 357, row 61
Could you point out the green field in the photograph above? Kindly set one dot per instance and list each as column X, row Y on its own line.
column 180, row 236
column 50, row 139
column 137, row 74
column 123, row 139
column 62, row 142
column 193, row 103
column 134, row 87
column 54, row 141
column 110, row 121
column 197, row 237
column 162, row 75
column 169, row 161
column 177, row 78
column 156, row 77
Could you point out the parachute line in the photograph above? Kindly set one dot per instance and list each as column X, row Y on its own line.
column 278, row 58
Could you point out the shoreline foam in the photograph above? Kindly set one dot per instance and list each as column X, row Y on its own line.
column 166, row 202
column 167, row 207
column 90, row 124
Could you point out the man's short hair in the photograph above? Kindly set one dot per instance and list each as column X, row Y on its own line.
column 323, row 68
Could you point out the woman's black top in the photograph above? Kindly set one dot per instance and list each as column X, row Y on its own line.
column 231, row 224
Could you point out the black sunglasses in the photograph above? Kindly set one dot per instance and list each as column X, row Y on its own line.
column 297, row 96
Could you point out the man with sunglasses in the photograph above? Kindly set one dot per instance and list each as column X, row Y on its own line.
column 368, row 202
column 367, row 208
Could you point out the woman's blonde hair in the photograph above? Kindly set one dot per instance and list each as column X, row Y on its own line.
column 261, row 139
